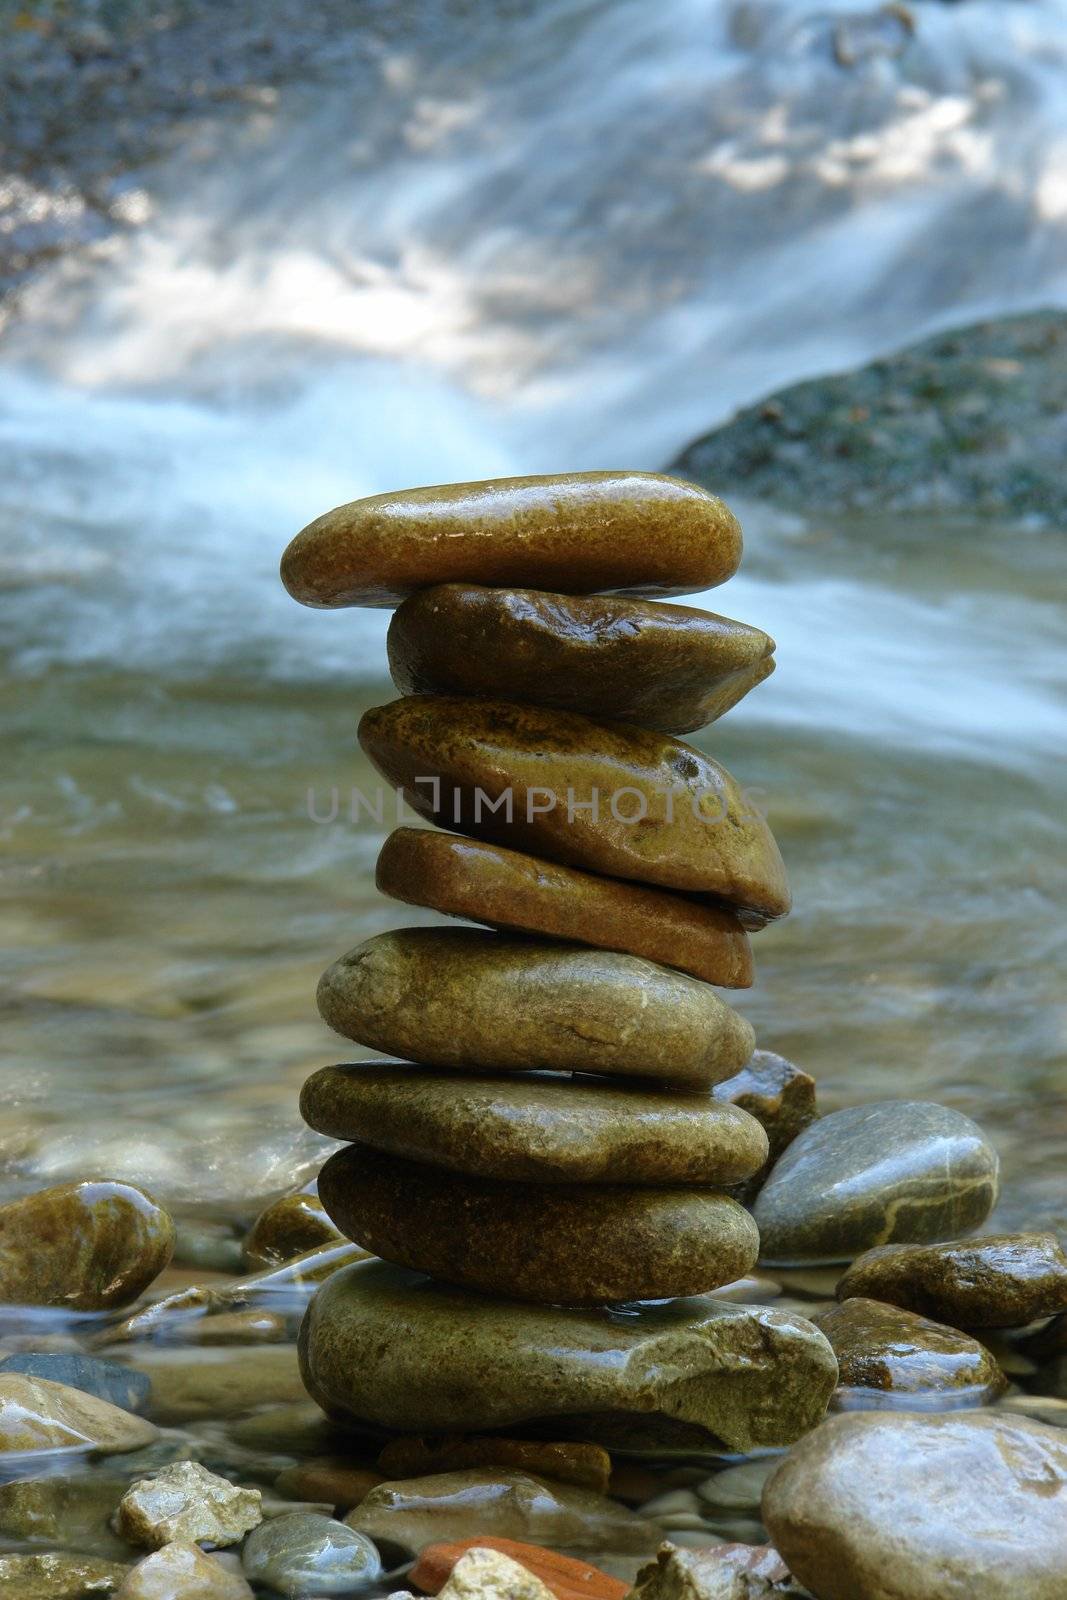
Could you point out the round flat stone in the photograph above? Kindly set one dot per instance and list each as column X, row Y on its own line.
column 903, row 1506
column 521, row 893
column 603, row 797
column 394, row 1351
column 1002, row 1280
column 899, row 1170
column 36, row 1414
column 578, row 532
column 86, row 1246
column 561, row 1244
column 304, row 1554
column 108, row 1380
column 536, row 1128
column 468, row 999
column 661, row 666
column 885, row 1354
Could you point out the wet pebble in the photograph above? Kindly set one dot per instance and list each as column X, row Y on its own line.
column 303, row 1555
column 107, row 1380
column 57, row 1576
column 86, row 1246
column 287, row 1228
column 36, row 1414
column 182, row 1571
column 997, row 1281
column 187, row 1503
column 884, row 1354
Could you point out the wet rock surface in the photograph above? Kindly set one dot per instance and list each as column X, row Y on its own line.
column 303, row 1555
column 394, row 1350
column 86, row 1246
column 182, row 1571
column 291, row 1226
column 659, row 666
column 965, row 1506
column 996, row 1281
column 457, row 997
column 883, row 1351
column 778, row 1094
column 38, row 1415
column 895, row 1171
column 520, row 893
column 107, row 1380
column 184, row 1502
column 970, row 419
column 585, row 1465
column 58, row 1576
column 601, row 796
column 538, row 1127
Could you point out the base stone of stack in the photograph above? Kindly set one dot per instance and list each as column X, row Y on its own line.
column 395, row 1352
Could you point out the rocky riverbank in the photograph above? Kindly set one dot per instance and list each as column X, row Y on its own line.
column 971, row 420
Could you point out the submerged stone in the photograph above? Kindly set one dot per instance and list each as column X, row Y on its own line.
column 898, row 1170
column 504, row 1504
column 58, row 1576
column 1003, row 1280
column 562, row 1244
column 579, row 532
column 537, row 1127
column 393, row 1350
column 85, row 1246
column 290, row 1226
column 521, row 893
column 205, row 1384
column 64, row 1511
column 601, row 796
column 36, row 1414
column 883, row 1351
column 902, row 1506
column 108, row 1380
column 301, row 1554
column 587, row 1466
column 661, row 666
column 182, row 1571
column 469, row 999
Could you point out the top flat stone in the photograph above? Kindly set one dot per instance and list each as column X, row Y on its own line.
column 660, row 666
column 581, row 533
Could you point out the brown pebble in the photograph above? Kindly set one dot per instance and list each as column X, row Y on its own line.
column 334, row 1479
column 587, row 1465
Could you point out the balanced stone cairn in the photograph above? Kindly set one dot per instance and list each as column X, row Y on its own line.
column 542, row 1176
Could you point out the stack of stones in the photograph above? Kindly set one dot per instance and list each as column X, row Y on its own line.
column 547, row 1147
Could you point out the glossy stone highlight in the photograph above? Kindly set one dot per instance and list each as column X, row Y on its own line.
column 898, row 1170
column 463, row 998
column 887, row 1352
column 86, row 1246
column 600, row 796
column 562, row 1244
column 522, row 893
column 396, row 1351
column 1002, row 1280
column 629, row 532
column 660, row 666
column 538, row 1128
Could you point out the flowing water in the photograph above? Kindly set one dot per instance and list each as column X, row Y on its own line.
column 567, row 235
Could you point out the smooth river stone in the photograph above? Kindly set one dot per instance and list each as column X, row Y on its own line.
column 902, row 1506
column 537, row 1128
column 627, row 532
column 885, row 1354
column 393, row 1350
column 36, row 1414
column 778, row 1094
column 559, row 1244
column 108, row 1380
column 521, row 893
column 287, row 1228
column 1002, row 1280
column 664, row 812
column 468, row 999
column 84, row 1246
column 661, row 666
column 898, row 1170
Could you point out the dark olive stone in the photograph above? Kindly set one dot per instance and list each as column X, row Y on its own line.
column 661, row 666
column 536, row 1127
column 578, row 532
column 1001, row 1280
column 898, row 1170
column 600, row 796
column 895, row 1353
column 86, row 1246
column 559, row 1244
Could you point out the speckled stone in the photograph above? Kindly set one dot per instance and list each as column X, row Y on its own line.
column 393, row 1350
column 538, row 1127
column 661, row 666
column 188, row 1503
column 898, row 1170
column 301, row 1554
column 883, row 1351
column 182, row 1571
column 502, row 1504
column 85, row 1246
column 72, row 1512
column 521, row 893
column 1002, row 1280
column 36, row 1414
column 469, row 999
column 579, row 532
column 559, row 1244
column 902, row 1506
column 56, row 1576
column 287, row 1228
column 665, row 813
column 108, row 1380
